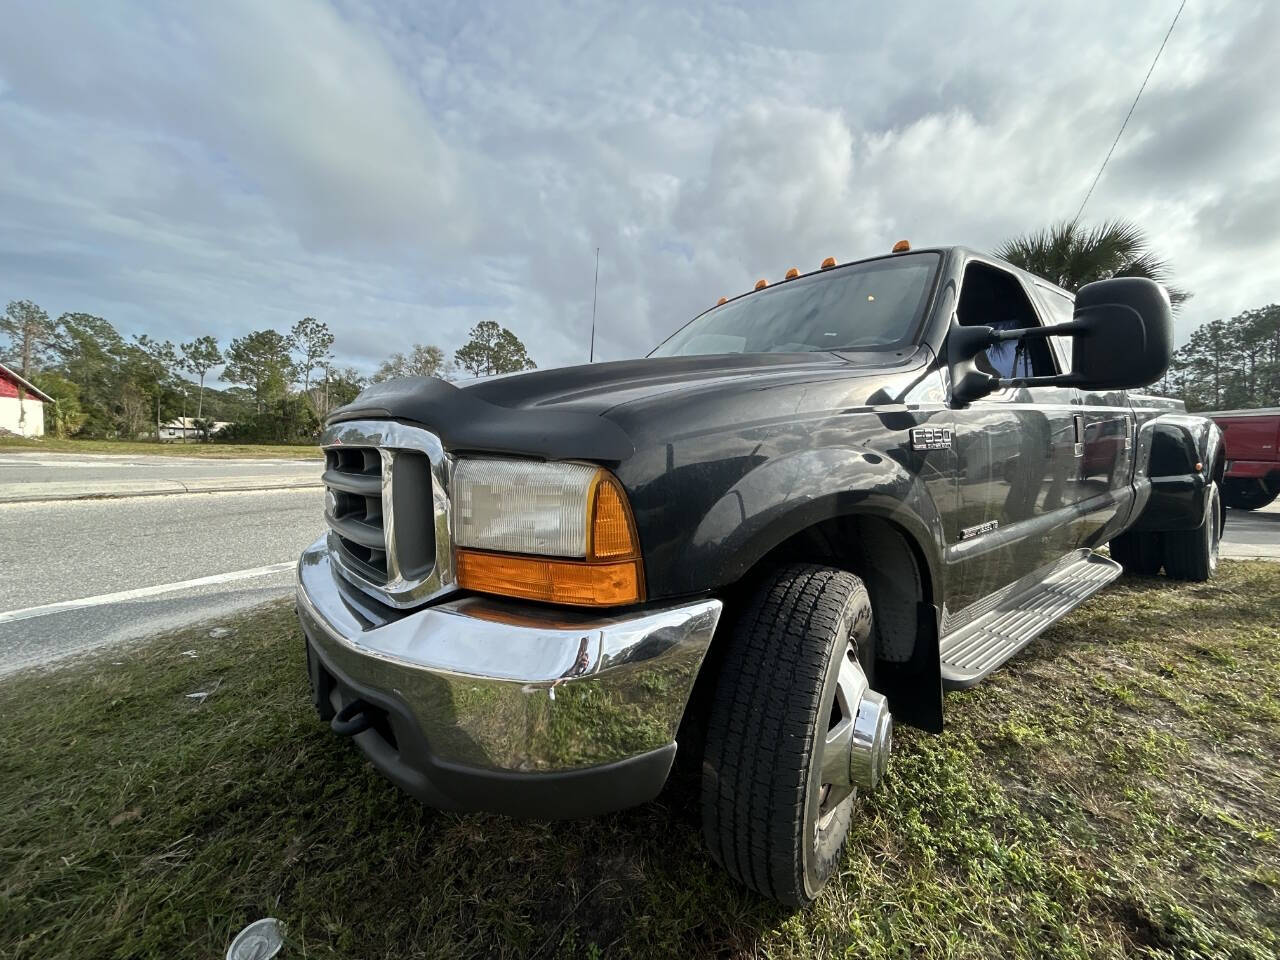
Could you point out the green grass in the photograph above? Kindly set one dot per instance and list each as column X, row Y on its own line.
column 1111, row 793
column 134, row 447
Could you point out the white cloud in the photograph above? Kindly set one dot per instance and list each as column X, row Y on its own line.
column 403, row 172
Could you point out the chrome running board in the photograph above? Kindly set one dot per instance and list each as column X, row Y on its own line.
column 987, row 641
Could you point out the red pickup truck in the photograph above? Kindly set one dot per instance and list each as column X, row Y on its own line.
column 1253, row 456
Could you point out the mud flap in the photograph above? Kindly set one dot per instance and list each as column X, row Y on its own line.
column 914, row 688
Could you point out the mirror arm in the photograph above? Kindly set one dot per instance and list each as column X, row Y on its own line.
column 1059, row 380
column 1069, row 329
column 965, row 343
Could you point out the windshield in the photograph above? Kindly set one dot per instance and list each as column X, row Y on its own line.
column 863, row 306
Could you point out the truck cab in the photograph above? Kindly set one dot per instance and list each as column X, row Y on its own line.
column 794, row 523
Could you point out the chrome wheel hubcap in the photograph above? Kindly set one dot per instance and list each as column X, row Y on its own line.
column 837, row 784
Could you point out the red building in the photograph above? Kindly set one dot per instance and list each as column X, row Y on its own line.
column 21, row 405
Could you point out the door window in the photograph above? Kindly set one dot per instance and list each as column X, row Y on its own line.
column 995, row 298
column 1062, row 308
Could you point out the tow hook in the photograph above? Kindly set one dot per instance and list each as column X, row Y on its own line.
column 351, row 719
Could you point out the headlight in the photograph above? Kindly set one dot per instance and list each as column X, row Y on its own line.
column 559, row 532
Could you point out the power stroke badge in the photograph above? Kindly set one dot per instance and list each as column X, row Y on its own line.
column 930, row 438
column 968, row 533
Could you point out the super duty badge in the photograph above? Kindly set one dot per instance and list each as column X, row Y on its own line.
column 930, row 438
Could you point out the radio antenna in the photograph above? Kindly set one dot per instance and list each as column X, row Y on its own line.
column 591, row 357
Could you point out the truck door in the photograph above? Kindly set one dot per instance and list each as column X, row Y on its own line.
column 1107, row 432
column 1016, row 452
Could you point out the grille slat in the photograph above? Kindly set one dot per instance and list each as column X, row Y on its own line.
column 358, row 483
column 359, row 531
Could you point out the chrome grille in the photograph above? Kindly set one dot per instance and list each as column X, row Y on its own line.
column 387, row 506
column 353, row 507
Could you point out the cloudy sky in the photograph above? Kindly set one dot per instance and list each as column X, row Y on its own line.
column 402, row 170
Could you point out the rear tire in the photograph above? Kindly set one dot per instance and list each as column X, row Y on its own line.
column 1193, row 554
column 1140, row 553
column 768, row 818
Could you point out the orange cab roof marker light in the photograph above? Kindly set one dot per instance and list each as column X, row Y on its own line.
column 722, row 300
column 828, row 263
column 793, row 273
column 902, row 246
column 761, row 283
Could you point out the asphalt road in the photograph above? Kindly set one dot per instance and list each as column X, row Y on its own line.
column 1252, row 533
column 40, row 475
column 92, row 551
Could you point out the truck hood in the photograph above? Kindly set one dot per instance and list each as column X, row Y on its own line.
column 591, row 412
column 600, row 387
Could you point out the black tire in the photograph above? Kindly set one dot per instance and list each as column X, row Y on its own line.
column 1193, row 554
column 1138, row 552
column 1249, row 494
column 761, row 803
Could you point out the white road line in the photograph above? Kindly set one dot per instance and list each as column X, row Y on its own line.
column 26, row 613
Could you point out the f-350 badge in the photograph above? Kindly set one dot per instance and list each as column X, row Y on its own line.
column 930, row 438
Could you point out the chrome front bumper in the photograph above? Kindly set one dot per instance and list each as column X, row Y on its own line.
column 503, row 706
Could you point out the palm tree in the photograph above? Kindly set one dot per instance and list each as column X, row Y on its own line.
column 1071, row 255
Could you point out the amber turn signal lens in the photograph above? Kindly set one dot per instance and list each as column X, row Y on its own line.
column 828, row 263
column 613, row 535
column 552, row 581
column 901, row 247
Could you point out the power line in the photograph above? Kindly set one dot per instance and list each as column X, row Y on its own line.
column 1130, row 113
column 591, row 357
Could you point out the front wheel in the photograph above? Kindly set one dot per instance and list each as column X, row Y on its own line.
column 1193, row 554
column 793, row 729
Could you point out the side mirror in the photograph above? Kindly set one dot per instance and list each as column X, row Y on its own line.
column 1123, row 333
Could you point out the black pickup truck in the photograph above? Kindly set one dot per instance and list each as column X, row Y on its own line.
column 804, row 515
